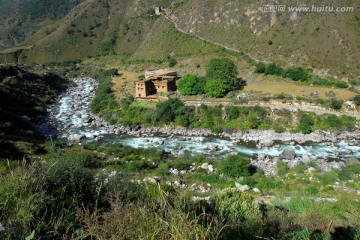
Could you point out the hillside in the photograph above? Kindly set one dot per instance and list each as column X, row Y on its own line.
column 326, row 42
column 22, row 18
column 23, row 99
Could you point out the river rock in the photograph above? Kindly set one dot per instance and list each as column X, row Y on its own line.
column 288, row 154
column 267, row 143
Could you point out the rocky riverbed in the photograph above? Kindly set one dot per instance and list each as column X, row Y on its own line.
column 75, row 123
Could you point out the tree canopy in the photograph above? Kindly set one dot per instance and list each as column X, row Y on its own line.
column 190, row 85
column 225, row 70
column 215, row 88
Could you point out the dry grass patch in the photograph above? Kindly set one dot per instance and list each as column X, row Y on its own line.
column 277, row 87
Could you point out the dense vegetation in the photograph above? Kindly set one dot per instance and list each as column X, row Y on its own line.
column 221, row 77
column 91, row 192
column 297, row 74
column 24, row 97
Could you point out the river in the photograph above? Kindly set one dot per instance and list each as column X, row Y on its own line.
column 71, row 116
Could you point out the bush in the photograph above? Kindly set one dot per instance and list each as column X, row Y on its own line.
column 336, row 104
column 190, row 85
column 260, row 68
column 281, row 96
column 296, row 74
column 274, row 69
column 357, row 100
column 341, row 85
column 235, row 166
column 225, row 70
column 172, row 61
column 215, row 88
column 306, row 124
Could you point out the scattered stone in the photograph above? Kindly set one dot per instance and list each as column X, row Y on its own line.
column 310, row 170
column 242, row 188
column 152, row 180
column 197, row 199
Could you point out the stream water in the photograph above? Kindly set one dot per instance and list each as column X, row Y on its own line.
column 73, row 109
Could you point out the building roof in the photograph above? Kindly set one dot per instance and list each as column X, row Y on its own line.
column 159, row 72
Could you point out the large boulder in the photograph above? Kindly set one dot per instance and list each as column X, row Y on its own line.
column 267, row 142
column 288, row 154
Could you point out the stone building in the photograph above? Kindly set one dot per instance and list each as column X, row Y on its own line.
column 156, row 81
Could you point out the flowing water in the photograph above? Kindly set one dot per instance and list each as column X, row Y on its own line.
column 73, row 108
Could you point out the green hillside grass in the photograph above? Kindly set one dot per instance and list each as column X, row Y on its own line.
column 23, row 95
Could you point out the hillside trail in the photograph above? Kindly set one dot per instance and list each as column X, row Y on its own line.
column 172, row 18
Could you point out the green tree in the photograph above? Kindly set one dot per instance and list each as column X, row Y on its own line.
column 215, row 88
column 225, row 70
column 190, row 85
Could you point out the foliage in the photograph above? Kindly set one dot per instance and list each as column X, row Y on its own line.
column 190, row 85
column 282, row 168
column 260, row 68
column 236, row 205
column 306, row 124
column 224, row 70
column 296, row 74
column 336, row 104
column 235, row 166
column 274, row 69
column 104, row 97
column 357, row 100
column 215, row 88
column 172, row 61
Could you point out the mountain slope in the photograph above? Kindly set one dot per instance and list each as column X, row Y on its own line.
column 327, row 42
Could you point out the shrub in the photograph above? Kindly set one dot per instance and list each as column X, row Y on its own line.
column 341, row 85
column 225, row 70
column 281, row 96
column 260, row 68
column 296, row 74
column 274, row 69
column 235, row 205
column 172, row 62
column 306, row 124
column 190, row 85
column 235, row 166
column 336, row 104
column 215, row 88
column 357, row 100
